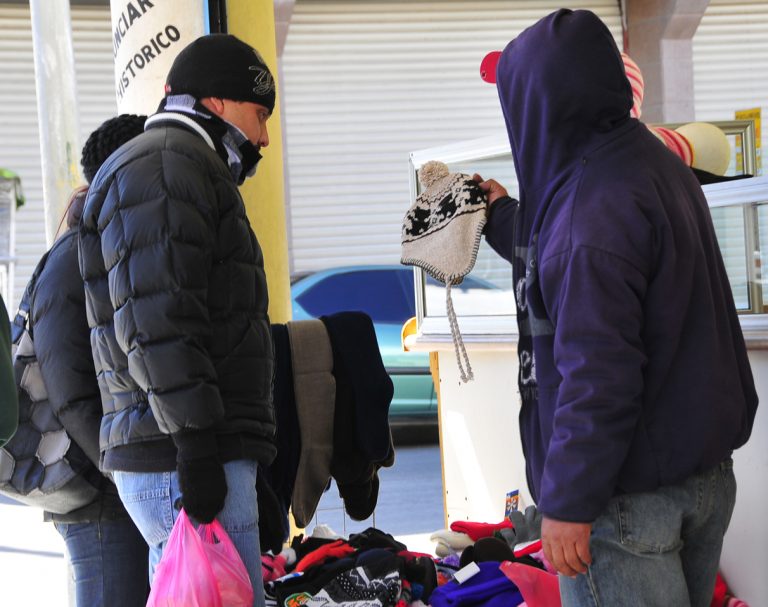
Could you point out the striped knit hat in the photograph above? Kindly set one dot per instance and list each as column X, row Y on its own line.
column 635, row 77
column 676, row 142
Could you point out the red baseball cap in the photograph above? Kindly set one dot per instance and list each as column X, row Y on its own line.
column 488, row 67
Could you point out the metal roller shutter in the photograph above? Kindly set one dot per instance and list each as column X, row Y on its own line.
column 367, row 82
column 20, row 148
column 730, row 59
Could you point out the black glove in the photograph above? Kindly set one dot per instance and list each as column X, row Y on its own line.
column 201, row 475
column 203, row 487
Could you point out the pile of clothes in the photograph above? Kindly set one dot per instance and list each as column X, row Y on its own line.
column 476, row 564
column 369, row 569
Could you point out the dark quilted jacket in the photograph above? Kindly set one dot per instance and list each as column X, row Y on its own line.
column 63, row 353
column 177, row 303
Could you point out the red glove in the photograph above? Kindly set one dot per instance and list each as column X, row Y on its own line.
column 478, row 530
column 338, row 549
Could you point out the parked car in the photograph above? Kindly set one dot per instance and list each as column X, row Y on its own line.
column 386, row 294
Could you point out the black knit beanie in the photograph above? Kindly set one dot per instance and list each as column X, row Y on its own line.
column 221, row 65
column 109, row 136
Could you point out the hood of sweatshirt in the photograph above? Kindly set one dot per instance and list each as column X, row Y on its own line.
column 563, row 92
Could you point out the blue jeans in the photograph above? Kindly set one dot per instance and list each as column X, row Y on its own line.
column 149, row 498
column 106, row 560
column 659, row 548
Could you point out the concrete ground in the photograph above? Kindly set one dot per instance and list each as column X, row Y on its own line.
column 33, row 571
column 32, row 566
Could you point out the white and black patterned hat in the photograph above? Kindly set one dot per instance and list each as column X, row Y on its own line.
column 441, row 234
column 442, row 230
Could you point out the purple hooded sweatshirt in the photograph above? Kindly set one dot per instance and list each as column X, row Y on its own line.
column 633, row 368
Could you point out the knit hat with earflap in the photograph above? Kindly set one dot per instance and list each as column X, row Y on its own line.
column 441, row 234
column 223, row 66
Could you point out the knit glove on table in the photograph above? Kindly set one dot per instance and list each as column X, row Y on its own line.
column 478, row 530
column 527, row 526
column 201, row 474
column 450, row 542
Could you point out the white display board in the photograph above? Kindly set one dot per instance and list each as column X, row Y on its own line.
column 480, row 436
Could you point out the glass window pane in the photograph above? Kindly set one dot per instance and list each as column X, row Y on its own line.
column 761, row 276
column 731, row 235
column 486, row 291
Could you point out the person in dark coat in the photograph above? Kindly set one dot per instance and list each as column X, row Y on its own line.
column 177, row 302
column 106, row 555
column 634, row 377
column 9, row 402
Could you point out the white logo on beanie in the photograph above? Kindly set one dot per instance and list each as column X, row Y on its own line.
column 263, row 81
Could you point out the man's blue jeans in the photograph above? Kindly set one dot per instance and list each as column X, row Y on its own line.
column 659, row 548
column 149, row 498
column 107, row 562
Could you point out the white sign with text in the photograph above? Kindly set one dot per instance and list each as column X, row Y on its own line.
column 146, row 37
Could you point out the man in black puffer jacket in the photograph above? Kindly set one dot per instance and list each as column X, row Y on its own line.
column 177, row 302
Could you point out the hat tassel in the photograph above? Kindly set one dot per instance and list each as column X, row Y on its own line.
column 458, row 343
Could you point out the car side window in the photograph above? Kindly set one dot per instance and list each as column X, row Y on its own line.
column 378, row 293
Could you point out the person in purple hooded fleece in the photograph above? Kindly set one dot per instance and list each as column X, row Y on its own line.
column 634, row 377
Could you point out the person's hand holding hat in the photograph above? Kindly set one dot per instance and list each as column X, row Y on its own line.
column 492, row 188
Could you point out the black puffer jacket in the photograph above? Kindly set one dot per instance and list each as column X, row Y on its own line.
column 63, row 351
column 177, row 300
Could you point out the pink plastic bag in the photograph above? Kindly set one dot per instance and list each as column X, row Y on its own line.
column 539, row 588
column 200, row 568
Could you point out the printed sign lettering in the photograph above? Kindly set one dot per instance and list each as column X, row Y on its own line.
column 146, row 37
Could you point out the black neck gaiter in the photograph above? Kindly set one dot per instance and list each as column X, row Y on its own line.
column 232, row 146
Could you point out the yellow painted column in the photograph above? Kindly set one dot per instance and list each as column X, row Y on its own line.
column 253, row 21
